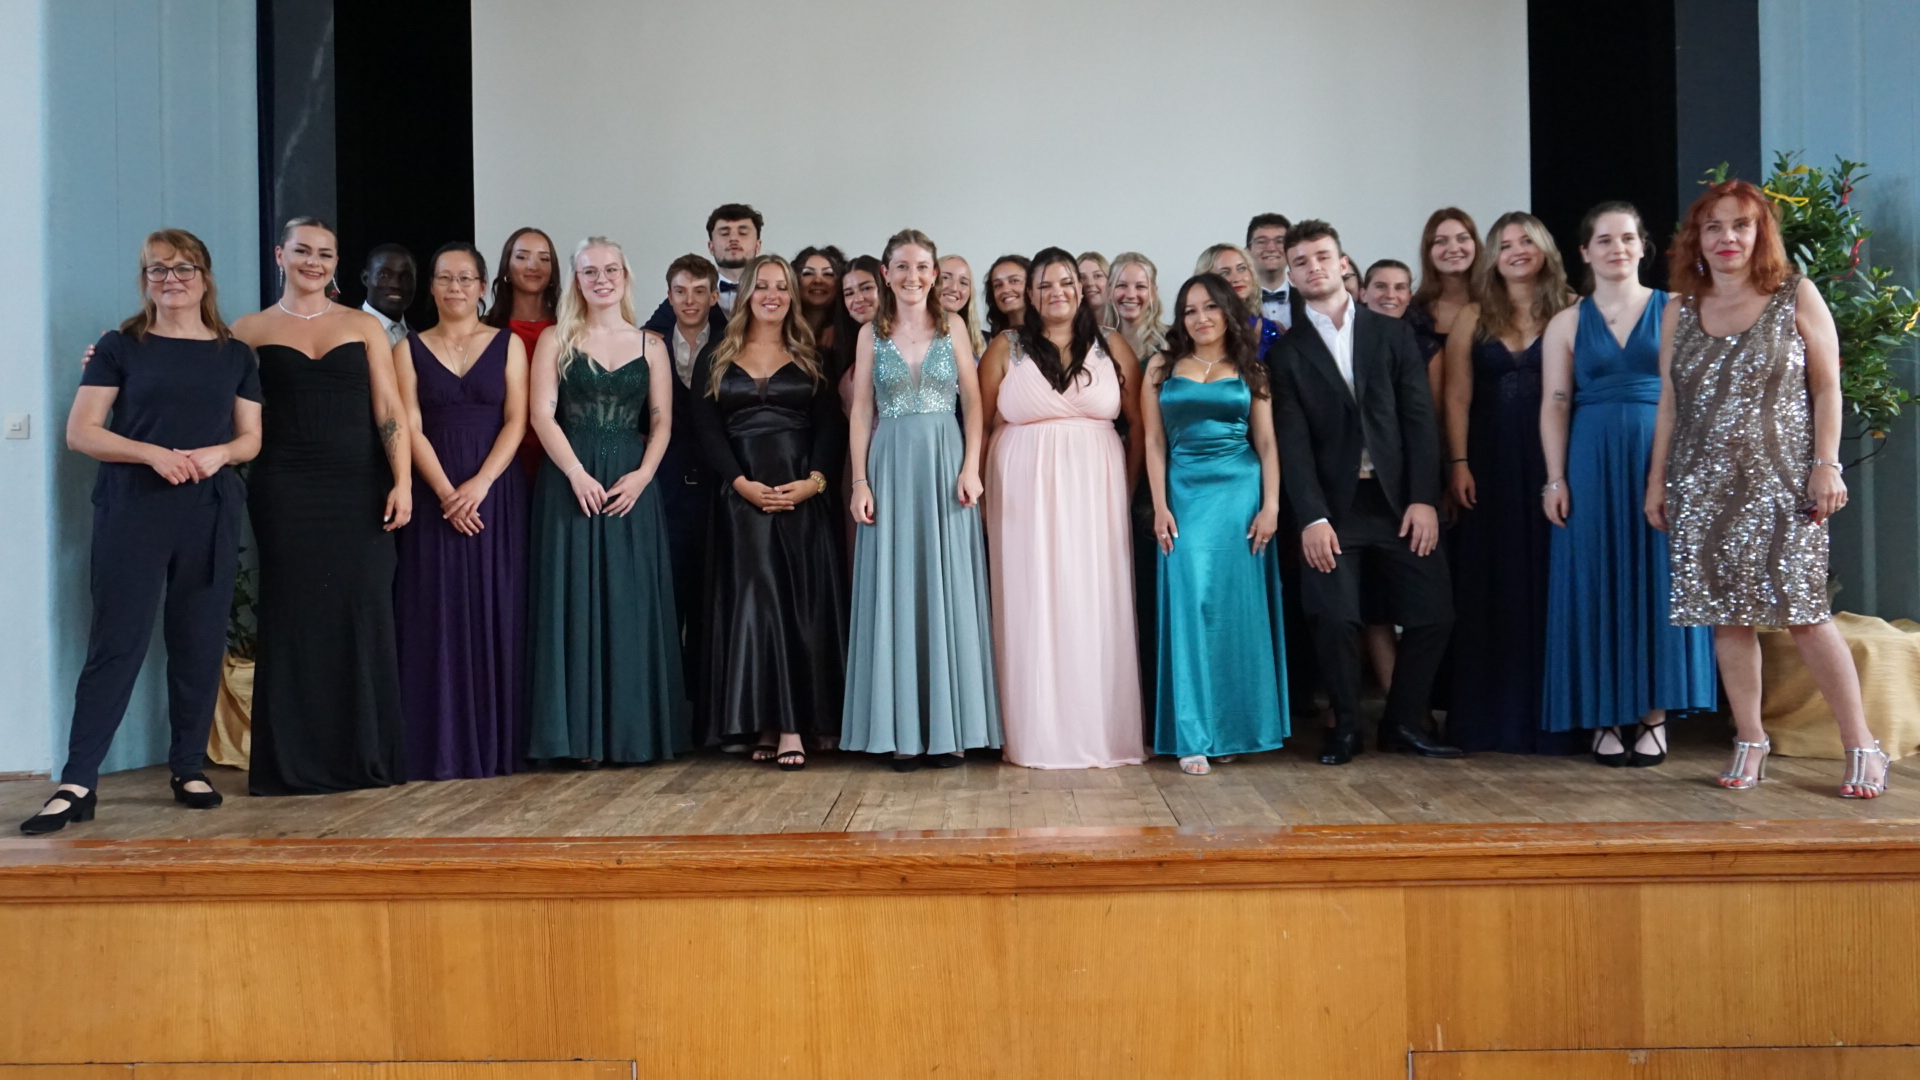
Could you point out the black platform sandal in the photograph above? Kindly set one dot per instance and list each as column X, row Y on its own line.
column 1638, row 760
column 195, row 800
column 79, row 808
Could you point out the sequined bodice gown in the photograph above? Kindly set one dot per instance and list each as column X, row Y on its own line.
column 1499, row 561
column 326, row 691
column 460, row 601
column 1063, row 629
column 1221, row 678
column 920, row 659
column 604, row 642
column 1612, row 653
column 776, row 583
column 1744, row 551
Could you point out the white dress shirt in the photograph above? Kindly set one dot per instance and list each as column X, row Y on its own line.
column 397, row 330
column 1276, row 304
column 1339, row 341
column 685, row 352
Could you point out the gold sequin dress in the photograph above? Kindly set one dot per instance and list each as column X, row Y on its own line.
column 1743, row 550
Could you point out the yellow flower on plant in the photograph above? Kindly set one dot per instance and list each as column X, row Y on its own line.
column 1778, row 196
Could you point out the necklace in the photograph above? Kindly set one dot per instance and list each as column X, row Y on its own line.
column 282, row 305
column 1207, row 375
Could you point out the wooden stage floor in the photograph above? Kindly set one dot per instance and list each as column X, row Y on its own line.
column 713, row 793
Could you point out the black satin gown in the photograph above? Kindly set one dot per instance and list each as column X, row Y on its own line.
column 326, row 689
column 776, row 590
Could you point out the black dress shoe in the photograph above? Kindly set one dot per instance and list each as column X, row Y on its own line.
column 1410, row 740
column 946, row 761
column 907, row 763
column 79, row 808
column 195, row 800
column 1338, row 749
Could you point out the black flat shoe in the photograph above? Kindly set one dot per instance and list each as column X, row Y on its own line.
column 1612, row 761
column 1638, row 760
column 905, row 764
column 946, row 761
column 79, row 808
column 195, row 800
column 1410, row 741
column 1339, row 749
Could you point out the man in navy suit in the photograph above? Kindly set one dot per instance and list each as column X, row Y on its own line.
column 733, row 239
column 694, row 328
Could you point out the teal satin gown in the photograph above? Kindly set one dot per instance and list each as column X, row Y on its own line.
column 1221, row 676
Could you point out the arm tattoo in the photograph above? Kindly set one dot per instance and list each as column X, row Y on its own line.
column 1559, row 395
column 389, row 432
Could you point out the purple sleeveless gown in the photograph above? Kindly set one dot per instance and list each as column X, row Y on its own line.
column 460, row 602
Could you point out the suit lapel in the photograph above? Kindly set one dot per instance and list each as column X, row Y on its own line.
column 1314, row 350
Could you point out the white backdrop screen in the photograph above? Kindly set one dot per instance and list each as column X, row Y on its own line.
column 994, row 125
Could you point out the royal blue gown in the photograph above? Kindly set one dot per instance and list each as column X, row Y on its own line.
column 1221, row 680
column 1612, row 655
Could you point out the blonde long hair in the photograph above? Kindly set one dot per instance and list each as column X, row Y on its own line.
column 1550, row 296
column 187, row 246
column 795, row 335
column 1151, row 337
column 970, row 315
column 570, row 318
column 889, row 310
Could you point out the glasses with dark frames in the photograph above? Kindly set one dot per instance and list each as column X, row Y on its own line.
column 183, row 272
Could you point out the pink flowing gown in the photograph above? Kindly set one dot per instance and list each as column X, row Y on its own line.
column 1062, row 572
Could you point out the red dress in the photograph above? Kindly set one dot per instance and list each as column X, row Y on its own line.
column 528, row 331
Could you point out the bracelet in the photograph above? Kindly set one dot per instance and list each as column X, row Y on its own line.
column 1834, row 465
column 1555, row 486
column 819, row 481
column 859, row 480
column 1457, row 461
column 576, row 468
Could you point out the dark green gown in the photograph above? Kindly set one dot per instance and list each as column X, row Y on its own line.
column 605, row 647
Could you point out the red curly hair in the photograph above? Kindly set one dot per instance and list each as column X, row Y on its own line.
column 1687, row 273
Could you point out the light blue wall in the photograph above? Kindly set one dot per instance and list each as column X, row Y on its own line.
column 25, row 589
column 150, row 122
column 1842, row 77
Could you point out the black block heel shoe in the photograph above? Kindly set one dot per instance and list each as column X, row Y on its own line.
column 195, row 800
column 79, row 808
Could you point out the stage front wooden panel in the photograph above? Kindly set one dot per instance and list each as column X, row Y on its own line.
column 1828, row 1063
column 334, row 1070
column 1305, row 952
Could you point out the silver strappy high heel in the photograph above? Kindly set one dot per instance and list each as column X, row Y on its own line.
column 1856, row 785
column 1736, row 778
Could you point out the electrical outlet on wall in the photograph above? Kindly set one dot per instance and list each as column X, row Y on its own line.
column 18, row 426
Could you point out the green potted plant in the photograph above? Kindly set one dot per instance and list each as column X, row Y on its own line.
column 231, row 741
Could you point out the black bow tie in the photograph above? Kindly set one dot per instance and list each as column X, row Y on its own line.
column 1272, row 294
column 729, row 286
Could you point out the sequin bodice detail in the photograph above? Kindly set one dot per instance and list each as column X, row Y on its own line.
column 897, row 393
column 596, row 401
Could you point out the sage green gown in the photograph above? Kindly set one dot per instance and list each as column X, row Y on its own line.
column 603, row 636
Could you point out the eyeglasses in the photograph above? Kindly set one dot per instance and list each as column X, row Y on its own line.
column 465, row 281
column 594, row 273
column 180, row 271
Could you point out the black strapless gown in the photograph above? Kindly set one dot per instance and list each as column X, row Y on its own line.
column 326, row 691
column 776, row 583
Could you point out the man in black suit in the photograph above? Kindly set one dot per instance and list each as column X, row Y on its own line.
column 687, row 484
column 733, row 239
column 1359, row 453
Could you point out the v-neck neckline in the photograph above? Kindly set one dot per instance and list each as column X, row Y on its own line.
column 459, row 376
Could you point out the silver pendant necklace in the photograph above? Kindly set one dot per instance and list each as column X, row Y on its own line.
column 282, row 305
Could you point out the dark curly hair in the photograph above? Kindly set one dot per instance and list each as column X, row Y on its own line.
column 1242, row 341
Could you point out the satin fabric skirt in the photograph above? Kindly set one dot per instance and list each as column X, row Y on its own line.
column 776, row 603
column 1063, row 624
column 920, row 661
column 604, row 640
column 1222, row 679
column 1612, row 653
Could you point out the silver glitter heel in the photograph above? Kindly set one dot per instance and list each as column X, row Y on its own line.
column 1736, row 778
column 1856, row 785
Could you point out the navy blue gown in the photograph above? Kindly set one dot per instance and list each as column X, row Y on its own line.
column 1612, row 654
column 1499, row 559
